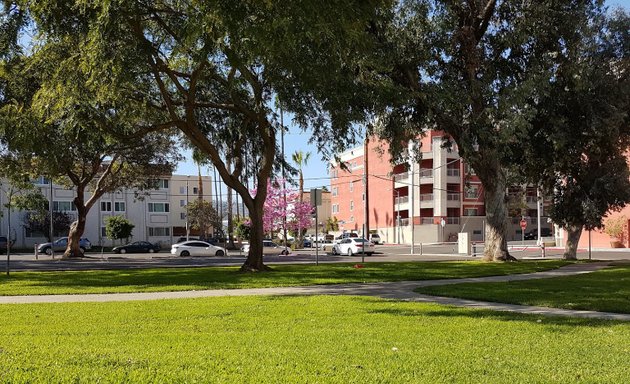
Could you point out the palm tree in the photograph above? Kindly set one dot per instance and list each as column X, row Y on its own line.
column 301, row 159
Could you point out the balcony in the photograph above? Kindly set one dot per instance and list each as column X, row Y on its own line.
column 452, row 220
column 401, row 200
column 426, row 197
column 452, row 196
column 426, row 220
column 404, row 222
column 426, row 173
column 401, row 180
column 452, row 172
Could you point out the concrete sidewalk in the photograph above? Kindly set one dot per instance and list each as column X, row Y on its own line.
column 401, row 290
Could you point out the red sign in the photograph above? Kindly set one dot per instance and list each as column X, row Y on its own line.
column 523, row 224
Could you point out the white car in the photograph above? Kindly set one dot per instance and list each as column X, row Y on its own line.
column 353, row 245
column 197, row 248
column 269, row 248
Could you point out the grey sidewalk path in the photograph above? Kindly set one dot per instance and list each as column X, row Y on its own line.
column 401, row 290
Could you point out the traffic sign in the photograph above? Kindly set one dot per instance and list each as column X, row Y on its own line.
column 523, row 224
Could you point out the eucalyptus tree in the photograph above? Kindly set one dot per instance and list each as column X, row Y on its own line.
column 474, row 69
column 63, row 128
column 213, row 67
column 580, row 134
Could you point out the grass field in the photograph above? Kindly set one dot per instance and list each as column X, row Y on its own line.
column 302, row 339
column 606, row 290
column 178, row 279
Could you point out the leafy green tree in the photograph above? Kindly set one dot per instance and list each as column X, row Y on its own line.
column 242, row 227
column 202, row 216
column 475, row 70
column 581, row 131
column 68, row 131
column 210, row 69
column 332, row 224
column 118, row 227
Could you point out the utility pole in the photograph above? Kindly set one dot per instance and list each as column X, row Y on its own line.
column 284, row 185
column 187, row 225
column 50, row 212
column 412, row 197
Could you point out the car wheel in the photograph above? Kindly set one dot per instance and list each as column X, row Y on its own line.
column 220, row 253
column 185, row 253
column 369, row 253
column 151, row 250
column 350, row 252
column 123, row 251
column 48, row 251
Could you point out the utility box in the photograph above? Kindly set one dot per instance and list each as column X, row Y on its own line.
column 463, row 243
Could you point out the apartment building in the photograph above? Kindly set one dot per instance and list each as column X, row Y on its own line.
column 438, row 197
column 323, row 210
column 159, row 215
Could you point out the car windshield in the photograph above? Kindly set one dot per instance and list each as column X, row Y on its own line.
column 360, row 240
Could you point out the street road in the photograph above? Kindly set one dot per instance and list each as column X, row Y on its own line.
column 384, row 253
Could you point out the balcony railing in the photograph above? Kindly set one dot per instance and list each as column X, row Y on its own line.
column 531, row 199
column 404, row 222
column 452, row 172
column 452, row 196
column 401, row 176
column 426, row 172
column 426, row 197
column 452, row 220
column 426, row 220
column 401, row 200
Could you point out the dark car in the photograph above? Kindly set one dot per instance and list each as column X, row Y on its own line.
column 137, row 247
column 3, row 243
column 533, row 234
column 307, row 243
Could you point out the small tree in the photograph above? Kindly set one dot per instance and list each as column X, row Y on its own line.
column 202, row 216
column 332, row 224
column 615, row 227
column 118, row 227
column 242, row 227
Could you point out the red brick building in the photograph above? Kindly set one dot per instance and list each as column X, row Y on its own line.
column 439, row 196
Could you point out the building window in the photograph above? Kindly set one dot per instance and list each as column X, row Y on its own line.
column 182, row 203
column 351, row 205
column 335, row 191
column 119, row 206
column 106, row 206
column 363, row 196
column 351, row 186
column 472, row 191
column 182, row 190
column 351, row 219
column 64, row 206
column 159, row 231
column 103, row 232
column 335, row 208
column 41, row 181
column 158, row 207
column 452, row 169
column 161, row 183
column 469, row 170
column 470, row 211
column 182, row 215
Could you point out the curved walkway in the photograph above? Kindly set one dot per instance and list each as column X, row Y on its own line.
column 400, row 290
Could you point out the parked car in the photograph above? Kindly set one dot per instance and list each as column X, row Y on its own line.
column 346, row 235
column 352, row 246
column 61, row 244
column 533, row 234
column 269, row 248
column 307, row 243
column 376, row 238
column 138, row 247
column 4, row 243
column 197, row 248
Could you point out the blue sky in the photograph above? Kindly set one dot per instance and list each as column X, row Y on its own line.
column 315, row 173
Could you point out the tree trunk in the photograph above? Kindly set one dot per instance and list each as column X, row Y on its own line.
column 494, row 184
column 230, row 223
column 573, row 238
column 74, row 236
column 254, row 261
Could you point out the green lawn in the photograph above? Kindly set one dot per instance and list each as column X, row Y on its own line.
column 326, row 339
column 606, row 290
column 178, row 279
